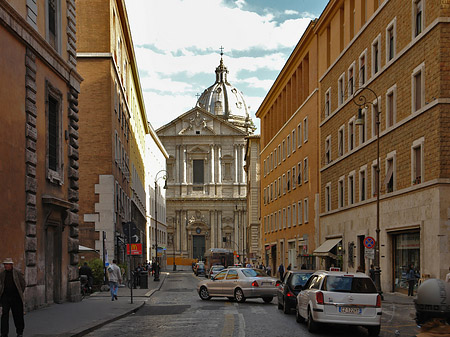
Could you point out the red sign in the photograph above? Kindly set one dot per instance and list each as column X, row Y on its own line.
column 369, row 242
column 134, row 249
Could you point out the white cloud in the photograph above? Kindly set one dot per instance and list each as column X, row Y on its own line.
column 291, row 12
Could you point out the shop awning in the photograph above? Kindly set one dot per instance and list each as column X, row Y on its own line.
column 324, row 249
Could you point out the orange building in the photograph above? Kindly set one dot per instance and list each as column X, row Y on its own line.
column 39, row 147
column 289, row 160
column 113, row 125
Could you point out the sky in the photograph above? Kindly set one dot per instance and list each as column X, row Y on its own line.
column 177, row 46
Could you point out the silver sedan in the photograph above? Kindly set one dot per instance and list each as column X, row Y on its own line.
column 239, row 284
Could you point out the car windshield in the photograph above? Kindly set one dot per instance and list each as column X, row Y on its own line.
column 217, row 268
column 254, row 273
column 300, row 279
column 349, row 284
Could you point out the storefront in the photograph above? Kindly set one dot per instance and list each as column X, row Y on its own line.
column 406, row 252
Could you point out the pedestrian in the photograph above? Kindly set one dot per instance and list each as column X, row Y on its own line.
column 269, row 270
column 303, row 266
column 86, row 270
column 12, row 286
column 447, row 278
column 114, row 277
column 411, row 279
column 281, row 271
column 372, row 273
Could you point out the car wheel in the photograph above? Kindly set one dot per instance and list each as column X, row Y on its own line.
column 312, row 326
column 374, row 330
column 286, row 308
column 267, row 299
column 204, row 294
column 299, row 318
column 239, row 295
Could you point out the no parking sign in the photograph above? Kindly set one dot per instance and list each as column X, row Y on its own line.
column 369, row 242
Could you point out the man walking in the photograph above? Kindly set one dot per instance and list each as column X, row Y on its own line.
column 281, row 271
column 114, row 278
column 12, row 286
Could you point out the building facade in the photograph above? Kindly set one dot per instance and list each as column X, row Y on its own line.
column 39, row 147
column 156, row 177
column 253, row 222
column 289, row 160
column 112, row 132
column 206, row 195
column 394, row 54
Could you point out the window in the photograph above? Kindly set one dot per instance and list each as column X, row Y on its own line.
column 328, row 102
column 305, row 210
column 389, row 180
column 341, row 88
column 279, row 219
column 376, row 61
column 391, row 96
column 53, row 23
column 288, row 142
column 299, row 173
column 279, row 186
column 284, row 218
column 265, row 196
column 362, row 127
column 275, row 158
column 299, row 135
column 351, row 80
column 328, row 197
column 341, row 148
column 279, row 154
column 375, row 179
column 284, row 149
column 284, row 183
column 294, row 215
column 417, row 17
column 198, row 167
column 289, row 216
column 299, row 214
column 362, row 68
column 375, row 116
column 271, row 192
column 417, row 161
column 275, row 185
column 351, row 134
column 418, row 88
column 294, row 145
column 363, row 184
column 305, row 169
column 294, row 177
column 265, row 167
column 341, row 191
column 289, row 180
column 328, row 150
column 390, row 40
column 305, row 129
column 271, row 162
column 53, row 109
column 351, row 188
column 232, row 275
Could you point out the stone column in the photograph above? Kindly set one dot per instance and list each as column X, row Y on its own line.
column 212, row 164
column 184, row 164
column 177, row 163
column 212, row 222
column 235, row 164
column 242, row 164
column 184, row 239
column 219, row 227
column 219, row 168
column 236, row 245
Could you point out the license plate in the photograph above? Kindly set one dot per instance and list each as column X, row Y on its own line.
column 347, row 310
column 266, row 283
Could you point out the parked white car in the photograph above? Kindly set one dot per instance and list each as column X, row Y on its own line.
column 339, row 298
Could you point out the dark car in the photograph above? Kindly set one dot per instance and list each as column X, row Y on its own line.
column 290, row 287
column 200, row 269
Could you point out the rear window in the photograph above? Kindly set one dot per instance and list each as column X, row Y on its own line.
column 348, row 284
column 300, row 279
column 254, row 273
column 218, row 268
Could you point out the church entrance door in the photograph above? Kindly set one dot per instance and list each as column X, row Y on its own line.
column 198, row 247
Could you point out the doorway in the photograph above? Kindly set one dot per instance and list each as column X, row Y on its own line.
column 53, row 263
column 198, row 247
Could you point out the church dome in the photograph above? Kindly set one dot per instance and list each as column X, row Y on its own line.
column 224, row 100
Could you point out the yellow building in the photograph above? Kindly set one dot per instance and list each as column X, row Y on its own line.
column 289, row 160
column 112, row 131
column 39, row 147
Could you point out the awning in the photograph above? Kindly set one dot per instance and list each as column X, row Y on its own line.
column 324, row 249
column 85, row 249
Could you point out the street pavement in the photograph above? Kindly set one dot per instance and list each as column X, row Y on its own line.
column 80, row 318
column 171, row 307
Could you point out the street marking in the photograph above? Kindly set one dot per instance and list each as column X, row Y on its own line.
column 228, row 326
column 241, row 325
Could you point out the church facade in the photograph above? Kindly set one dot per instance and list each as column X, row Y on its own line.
column 207, row 189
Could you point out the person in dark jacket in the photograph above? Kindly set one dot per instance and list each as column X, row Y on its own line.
column 12, row 286
column 86, row 270
column 281, row 271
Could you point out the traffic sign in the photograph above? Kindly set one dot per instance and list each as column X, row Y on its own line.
column 369, row 242
column 369, row 253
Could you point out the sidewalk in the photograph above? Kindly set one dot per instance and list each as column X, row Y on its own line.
column 398, row 298
column 77, row 319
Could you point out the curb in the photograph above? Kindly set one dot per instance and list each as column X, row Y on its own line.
column 129, row 312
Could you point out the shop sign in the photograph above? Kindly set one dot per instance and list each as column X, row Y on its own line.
column 134, row 249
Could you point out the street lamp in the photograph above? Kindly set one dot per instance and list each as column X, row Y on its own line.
column 360, row 100
column 156, row 278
